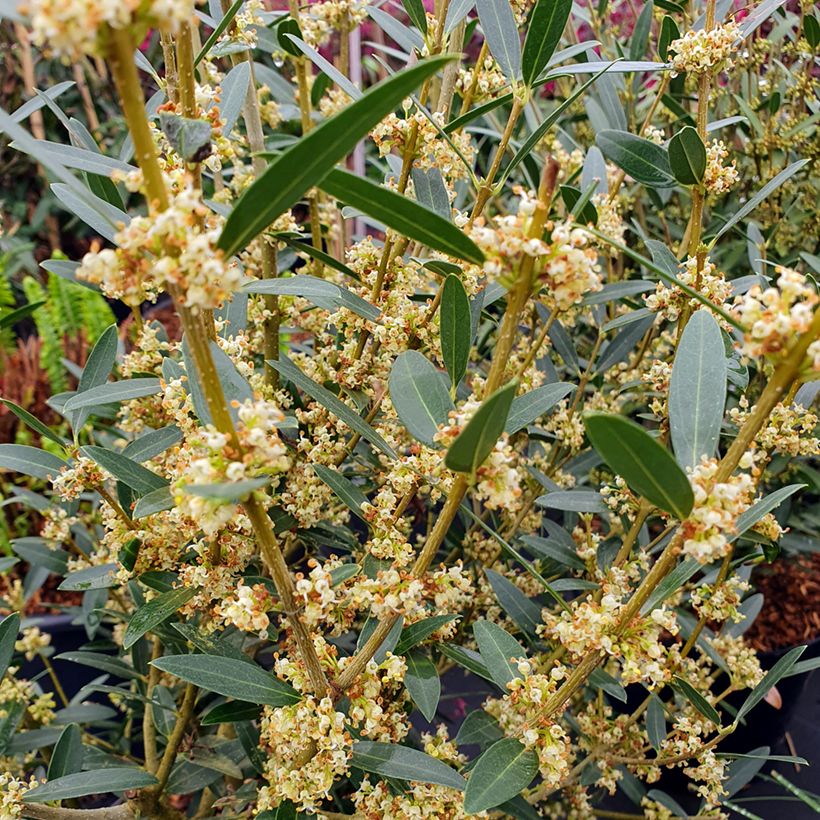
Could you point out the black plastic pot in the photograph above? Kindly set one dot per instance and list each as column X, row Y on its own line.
column 66, row 636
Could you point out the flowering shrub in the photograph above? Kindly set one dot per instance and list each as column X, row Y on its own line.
column 522, row 396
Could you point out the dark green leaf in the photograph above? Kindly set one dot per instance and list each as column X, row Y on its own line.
column 134, row 475
column 500, row 774
column 417, row 14
column 669, row 33
column 499, row 650
column 811, row 28
column 151, row 444
column 67, row 757
column 102, row 781
column 531, row 406
column 697, row 700
column 415, row 633
column 14, row 316
column 103, row 663
column 455, row 325
column 475, row 442
column 697, row 390
column 33, row 422
column 687, row 156
column 232, row 712
column 153, row 502
column 642, row 159
column 655, row 722
column 648, row 468
column 112, row 392
column 226, row 677
column 748, row 518
column 479, row 729
column 289, row 371
column 223, row 24
column 546, row 24
column 9, row 627
column 501, row 34
column 310, row 159
column 780, row 670
column 400, row 213
column 640, row 34
column 419, row 395
column 352, row 496
column 30, row 461
column 403, row 763
column 525, row 612
column 423, row 683
column 154, row 613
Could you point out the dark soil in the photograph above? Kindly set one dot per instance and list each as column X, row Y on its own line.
column 791, row 607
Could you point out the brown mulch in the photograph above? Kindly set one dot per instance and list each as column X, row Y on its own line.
column 791, row 607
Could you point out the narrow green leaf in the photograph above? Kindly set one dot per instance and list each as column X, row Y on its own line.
column 67, row 756
column 403, row 215
column 687, row 156
column 645, row 465
column 763, row 193
column 479, row 729
column 640, row 34
column 153, row 502
column 501, row 34
column 9, row 627
column 671, row 584
column 467, row 658
column 419, row 395
column 289, row 371
column 403, row 763
column 525, row 612
column 780, row 670
column 697, row 700
column 531, row 406
column 33, row 422
column 417, row 14
column 103, row 663
column 229, row 491
column 697, row 390
column 30, row 461
column 546, row 24
column 137, row 477
column 748, row 518
column 14, row 316
column 80, row 784
column 422, row 682
column 352, row 496
column 455, row 324
column 151, row 444
column 154, row 613
column 223, row 24
column 97, row 577
column 112, row 392
column 642, row 159
column 232, row 712
column 655, row 722
column 475, row 442
column 310, row 159
column 669, row 33
column 419, row 631
column 498, row 649
column 500, row 774
column 226, row 677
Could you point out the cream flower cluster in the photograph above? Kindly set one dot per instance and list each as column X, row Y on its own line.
column 719, row 178
column 211, row 458
column 11, row 795
column 707, row 531
column 308, row 747
column 705, row 52
column 720, row 603
column 430, row 150
column 597, row 625
column 73, row 28
column 32, row 642
column 499, row 479
column 489, row 79
column 773, row 316
column 521, row 712
column 669, row 300
column 247, row 609
column 74, row 479
column 424, row 801
column 566, row 266
column 176, row 246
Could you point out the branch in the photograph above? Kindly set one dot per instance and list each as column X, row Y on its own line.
column 122, row 812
